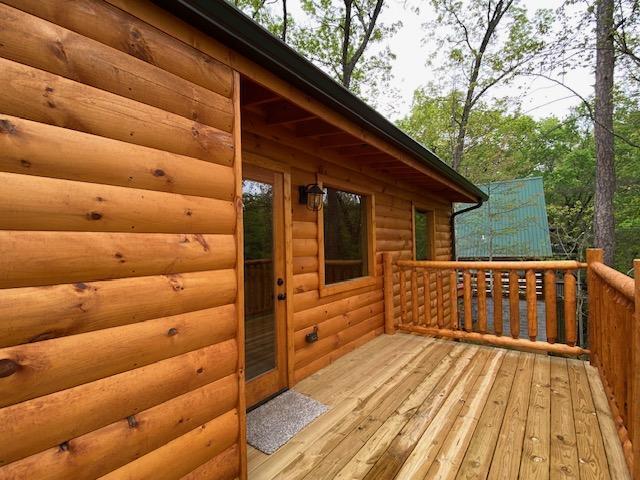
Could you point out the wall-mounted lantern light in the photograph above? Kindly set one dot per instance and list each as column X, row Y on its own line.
column 311, row 195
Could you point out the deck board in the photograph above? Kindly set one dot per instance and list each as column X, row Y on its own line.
column 412, row 407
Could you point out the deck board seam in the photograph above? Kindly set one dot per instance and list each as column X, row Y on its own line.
column 473, row 378
column 504, row 413
column 484, row 405
column 451, row 388
column 420, row 364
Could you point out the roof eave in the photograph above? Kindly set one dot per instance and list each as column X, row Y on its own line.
column 224, row 22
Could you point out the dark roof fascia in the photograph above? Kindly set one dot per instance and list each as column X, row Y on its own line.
column 224, row 22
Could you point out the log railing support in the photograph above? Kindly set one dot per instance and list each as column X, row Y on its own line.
column 614, row 336
column 387, row 271
column 550, row 302
column 514, row 304
column 594, row 255
column 497, row 302
column 481, row 283
column 635, row 376
column 488, row 328
column 614, row 319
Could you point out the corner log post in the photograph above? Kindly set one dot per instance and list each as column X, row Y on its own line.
column 635, row 376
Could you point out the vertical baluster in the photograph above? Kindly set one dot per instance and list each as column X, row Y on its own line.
column 403, row 296
column 634, row 368
column 439, row 299
column 514, row 304
column 594, row 326
column 594, row 298
column 426, row 278
column 466, row 282
column 453, row 297
column 550, row 306
column 532, row 313
column 481, row 283
column 606, row 326
column 570, row 307
column 617, row 340
column 414, row 296
column 497, row 302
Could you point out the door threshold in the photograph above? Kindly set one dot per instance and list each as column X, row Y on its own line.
column 265, row 400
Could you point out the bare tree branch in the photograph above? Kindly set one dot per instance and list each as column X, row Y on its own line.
column 587, row 105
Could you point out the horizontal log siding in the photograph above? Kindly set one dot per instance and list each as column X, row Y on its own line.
column 348, row 319
column 118, row 286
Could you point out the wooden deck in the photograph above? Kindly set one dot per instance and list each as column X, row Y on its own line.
column 413, row 407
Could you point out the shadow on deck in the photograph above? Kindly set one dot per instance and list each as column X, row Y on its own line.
column 413, row 407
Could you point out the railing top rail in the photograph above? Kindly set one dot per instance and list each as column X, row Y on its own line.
column 616, row 280
column 493, row 265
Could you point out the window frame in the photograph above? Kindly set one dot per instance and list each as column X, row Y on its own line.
column 430, row 212
column 370, row 218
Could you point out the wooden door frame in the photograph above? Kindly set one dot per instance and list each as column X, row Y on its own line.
column 250, row 159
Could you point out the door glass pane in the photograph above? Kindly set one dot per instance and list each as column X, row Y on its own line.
column 259, row 307
column 345, row 236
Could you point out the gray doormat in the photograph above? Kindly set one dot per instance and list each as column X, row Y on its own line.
column 273, row 424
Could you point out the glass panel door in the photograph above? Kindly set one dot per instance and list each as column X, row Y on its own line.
column 264, row 283
column 259, row 303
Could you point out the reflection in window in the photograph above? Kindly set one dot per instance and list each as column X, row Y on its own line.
column 260, row 329
column 345, row 236
column 423, row 226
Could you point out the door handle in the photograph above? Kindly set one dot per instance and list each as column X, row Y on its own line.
column 282, row 296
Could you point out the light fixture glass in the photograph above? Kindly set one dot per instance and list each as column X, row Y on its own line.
column 312, row 196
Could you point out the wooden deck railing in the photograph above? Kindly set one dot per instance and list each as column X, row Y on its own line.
column 614, row 333
column 476, row 284
column 482, row 301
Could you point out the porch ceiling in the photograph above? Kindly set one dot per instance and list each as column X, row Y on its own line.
column 279, row 111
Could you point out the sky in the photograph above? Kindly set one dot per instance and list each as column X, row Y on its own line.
column 409, row 69
column 544, row 98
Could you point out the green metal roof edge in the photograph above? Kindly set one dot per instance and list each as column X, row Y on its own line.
column 223, row 21
column 534, row 189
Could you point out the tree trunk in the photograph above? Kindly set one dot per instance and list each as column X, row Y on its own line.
column 346, row 70
column 462, row 127
column 283, row 36
column 603, row 221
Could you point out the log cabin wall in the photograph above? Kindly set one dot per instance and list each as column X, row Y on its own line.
column 120, row 311
column 119, row 305
column 394, row 212
column 348, row 319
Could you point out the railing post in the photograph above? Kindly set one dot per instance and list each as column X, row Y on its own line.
column 593, row 255
column 635, row 376
column 387, row 271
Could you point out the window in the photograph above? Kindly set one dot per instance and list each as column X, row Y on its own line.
column 423, row 234
column 346, row 238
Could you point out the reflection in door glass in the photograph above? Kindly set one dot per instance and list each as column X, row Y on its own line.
column 259, row 314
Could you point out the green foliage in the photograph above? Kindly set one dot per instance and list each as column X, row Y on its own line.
column 503, row 145
column 267, row 13
column 422, row 235
column 257, row 199
column 344, row 225
column 494, row 136
column 356, row 57
column 464, row 37
column 323, row 41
